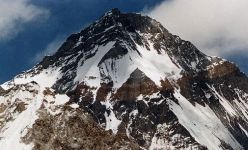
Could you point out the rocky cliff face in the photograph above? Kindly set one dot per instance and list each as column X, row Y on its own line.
column 125, row 82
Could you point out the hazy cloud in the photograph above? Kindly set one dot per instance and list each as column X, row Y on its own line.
column 15, row 13
column 50, row 49
column 217, row 27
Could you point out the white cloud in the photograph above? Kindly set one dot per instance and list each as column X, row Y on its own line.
column 217, row 27
column 15, row 13
column 50, row 49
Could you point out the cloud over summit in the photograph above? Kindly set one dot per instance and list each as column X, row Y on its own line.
column 217, row 27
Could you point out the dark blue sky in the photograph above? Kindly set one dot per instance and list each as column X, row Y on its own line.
column 65, row 17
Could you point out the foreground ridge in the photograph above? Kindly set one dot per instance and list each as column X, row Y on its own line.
column 126, row 82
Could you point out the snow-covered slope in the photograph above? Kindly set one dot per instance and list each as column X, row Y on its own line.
column 126, row 82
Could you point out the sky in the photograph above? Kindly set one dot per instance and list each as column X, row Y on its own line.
column 30, row 29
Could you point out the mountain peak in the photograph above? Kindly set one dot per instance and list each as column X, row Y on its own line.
column 113, row 12
column 130, row 21
column 128, row 37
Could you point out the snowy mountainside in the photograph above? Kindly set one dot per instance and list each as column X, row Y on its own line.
column 125, row 82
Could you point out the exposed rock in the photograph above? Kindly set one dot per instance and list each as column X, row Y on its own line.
column 2, row 91
column 2, row 107
column 20, row 107
column 137, row 84
column 48, row 92
column 103, row 91
column 73, row 129
column 222, row 69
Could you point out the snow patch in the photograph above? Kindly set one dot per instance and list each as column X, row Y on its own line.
column 224, row 102
column 74, row 106
column 112, row 123
column 13, row 131
column 46, row 78
column 88, row 70
column 246, row 133
column 202, row 123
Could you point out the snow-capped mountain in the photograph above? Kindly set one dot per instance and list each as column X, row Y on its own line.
column 125, row 82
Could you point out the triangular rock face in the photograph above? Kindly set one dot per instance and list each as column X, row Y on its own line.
column 126, row 82
column 137, row 84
